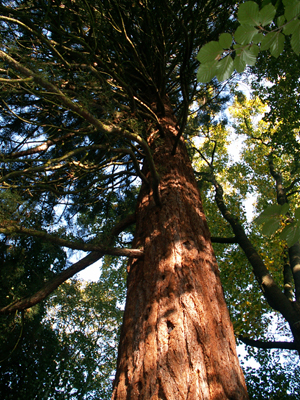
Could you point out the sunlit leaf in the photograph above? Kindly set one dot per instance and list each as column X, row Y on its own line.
column 281, row 20
column 289, row 2
column 250, row 54
column 270, row 227
column 267, row 41
column 292, row 9
column 225, row 69
column 239, row 64
column 210, row 52
column 297, row 213
column 291, row 234
column 207, row 71
column 277, row 45
column 271, row 212
column 257, row 38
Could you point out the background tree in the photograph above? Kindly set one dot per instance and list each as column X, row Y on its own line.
column 267, row 169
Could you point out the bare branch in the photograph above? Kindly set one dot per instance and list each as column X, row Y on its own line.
column 10, row 227
column 229, row 240
column 42, row 147
column 268, row 345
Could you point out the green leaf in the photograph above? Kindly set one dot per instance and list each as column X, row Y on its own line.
column 225, row 40
column 277, row 45
column 239, row 64
column 257, row 38
column 265, row 2
column 267, row 41
column 210, row 52
column 297, row 213
column 289, row 2
column 291, row 234
column 292, row 9
column 273, row 41
column 267, row 14
column 225, row 69
column 250, row 54
column 295, row 42
column 248, row 13
column 245, row 33
column 270, row 227
column 281, row 20
column 291, row 27
column 238, row 48
column 284, row 209
column 273, row 211
column 207, row 71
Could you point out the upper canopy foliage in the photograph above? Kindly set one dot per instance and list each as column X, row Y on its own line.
column 79, row 80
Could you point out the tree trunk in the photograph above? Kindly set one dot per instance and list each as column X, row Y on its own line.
column 177, row 341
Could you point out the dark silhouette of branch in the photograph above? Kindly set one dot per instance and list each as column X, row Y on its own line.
column 229, row 240
column 268, row 345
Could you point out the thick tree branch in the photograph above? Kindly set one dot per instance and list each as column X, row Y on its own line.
column 280, row 190
column 294, row 251
column 294, row 256
column 268, row 345
column 47, row 237
column 276, row 299
column 290, row 187
column 229, row 240
column 287, row 276
column 42, row 147
column 49, row 287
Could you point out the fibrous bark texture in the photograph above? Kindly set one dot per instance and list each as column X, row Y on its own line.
column 177, row 341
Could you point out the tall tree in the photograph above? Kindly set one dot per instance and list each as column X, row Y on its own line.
column 95, row 98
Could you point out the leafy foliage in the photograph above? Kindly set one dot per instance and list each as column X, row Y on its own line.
column 255, row 33
column 271, row 219
column 68, row 349
column 273, row 379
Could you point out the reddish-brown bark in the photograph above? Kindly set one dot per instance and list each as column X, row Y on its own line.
column 177, row 341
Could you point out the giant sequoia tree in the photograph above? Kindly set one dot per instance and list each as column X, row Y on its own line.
column 98, row 104
column 94, row 102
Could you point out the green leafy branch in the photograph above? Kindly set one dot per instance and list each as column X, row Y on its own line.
column 249, row 39
column 271, row 220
